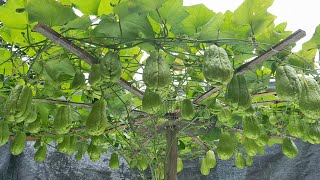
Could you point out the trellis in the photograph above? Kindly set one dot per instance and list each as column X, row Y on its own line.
column 174, row 125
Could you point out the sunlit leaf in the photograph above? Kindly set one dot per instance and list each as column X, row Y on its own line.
column 314, row 42
column 254, row 13
column 49, row 12
column 87, row 7
column 212, row 28
column 10, row 17
column 171, row 12
column 199, row 15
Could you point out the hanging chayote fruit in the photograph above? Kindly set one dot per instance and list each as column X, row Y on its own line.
column 18, row 144
column 18, row 105
column 216, row 65
column 227, row 144
column 289, row 148
column 237, row 93
column 108, row 70
column 156, row 73
column 250, row 126
column 4, row 132
column 288, row 85
column 187, row 109
column 97, row 121
column 309, row 101
column 151, row 101
column 63, row 120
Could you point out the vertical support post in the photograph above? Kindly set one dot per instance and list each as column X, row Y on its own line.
column 171, row 153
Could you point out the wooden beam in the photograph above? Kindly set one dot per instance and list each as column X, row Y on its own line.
column 52, row 101
column 171, row 153
column 82, row 54
column 293, row 38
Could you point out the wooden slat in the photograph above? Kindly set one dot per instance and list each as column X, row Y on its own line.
column 293, row 38
column 171, row 153
column 82, row 54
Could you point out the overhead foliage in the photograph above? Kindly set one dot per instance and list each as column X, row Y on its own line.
column 93, row 102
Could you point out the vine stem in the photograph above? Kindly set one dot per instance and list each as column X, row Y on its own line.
column 52, row 101
column 293, row 38
column 82, row 54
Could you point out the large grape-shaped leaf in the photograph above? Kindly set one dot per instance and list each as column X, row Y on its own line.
column 10, row 17
column 49, row 12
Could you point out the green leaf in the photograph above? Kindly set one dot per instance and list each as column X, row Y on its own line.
column 5, row 65
column 229, row 29
column 49, row 12
column 10, row 17
column 82, row 23
column 107, row 28
column 130, row 64
column 171, row 12
column 212, row 135
column 212, row 28
column 314, row 42
column 58, row 70
column 254, row 13
column 66, row 2
column 106, row 6
column 307, row 61
column 118, row 105
column 199, row 15
column 273, row 34
column 11, row 66
column 145, row 5
column 87, row 7
column 133, row 24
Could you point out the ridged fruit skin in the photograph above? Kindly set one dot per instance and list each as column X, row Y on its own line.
column 289, row 148
column 63, row 120
column 187, row 109
column 211, row 159
column 35, row 126
column 18, row 144
column 78, row 80
column 288, row 85
column 32, row 114
column 110, row 67
column 179, row 165
column 142, row 163
column 250, row 146
column 99, row 140
column 81, row 151
column 18, row 105
column 224, row 115
column 249, row 160
column 4, row 132
column 95, row 76
column 94, row 152
column 156, row 73
column 295, row 126
column 312, row 132
column 309, row 102
column 97, row 121
column 114, row 161
column 239, row 160
column 41, row 154
column 204, row 168
column 151, row 101
column 250, row 126
column 68, row 145
column 227, row 144
column 237, row 93
column 216, row 65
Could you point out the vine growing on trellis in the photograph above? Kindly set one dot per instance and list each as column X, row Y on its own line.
column 154, row 82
